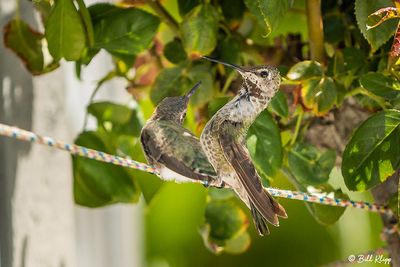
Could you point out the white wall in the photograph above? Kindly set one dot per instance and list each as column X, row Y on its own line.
column 39, row 224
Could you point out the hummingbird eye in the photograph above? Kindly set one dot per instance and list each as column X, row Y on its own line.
column 264, row 74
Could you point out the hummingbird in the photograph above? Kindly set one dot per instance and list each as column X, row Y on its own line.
column 173, row 150
column 224, row 142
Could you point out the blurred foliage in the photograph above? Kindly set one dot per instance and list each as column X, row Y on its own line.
column 155, row 46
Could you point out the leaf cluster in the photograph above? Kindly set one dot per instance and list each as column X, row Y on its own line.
column 155, row 46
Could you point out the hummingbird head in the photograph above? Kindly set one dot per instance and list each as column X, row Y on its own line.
column 264, row 78
column 174, row 108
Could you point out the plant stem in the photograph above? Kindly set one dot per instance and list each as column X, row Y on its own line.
column 379, row 100
column 17, row 9
column 228, row 82
column 298, row 125
column 382, row 194
column 315, row 29
column 109, row 76
column 164, row 15
column 87, row 21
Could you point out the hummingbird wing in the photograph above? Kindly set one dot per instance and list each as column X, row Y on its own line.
column 236, row 153
column 177, row 149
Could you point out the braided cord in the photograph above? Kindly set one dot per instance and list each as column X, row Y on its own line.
column 320, row 198
column 28, row 136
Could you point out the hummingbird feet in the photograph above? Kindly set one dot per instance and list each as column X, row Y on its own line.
column 216, row 184
column 221, row 185
column 206, row 184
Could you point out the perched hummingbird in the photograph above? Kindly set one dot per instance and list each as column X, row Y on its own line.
column 224, row 142
column 172, row 149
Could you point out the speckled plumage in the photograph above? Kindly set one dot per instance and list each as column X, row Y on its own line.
column 223, row 141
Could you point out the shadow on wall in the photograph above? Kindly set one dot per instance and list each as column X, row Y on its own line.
column 16, row 107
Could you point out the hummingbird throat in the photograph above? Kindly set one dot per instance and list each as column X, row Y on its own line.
column 251, row 101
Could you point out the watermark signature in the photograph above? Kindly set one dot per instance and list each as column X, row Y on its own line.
column 361, row 258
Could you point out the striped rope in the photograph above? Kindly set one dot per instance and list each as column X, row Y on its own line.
column 323, row 198
column 23, row 135
column 320, row 198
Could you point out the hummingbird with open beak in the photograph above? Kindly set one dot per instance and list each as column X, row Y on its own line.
column 173, row 150
column 224, row 142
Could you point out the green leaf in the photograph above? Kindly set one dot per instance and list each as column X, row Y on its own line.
column 65, row 32
column 334, row 28
column 382, row 15
column 230, row 50
column 279, row 104
column 380, row 85
column 336, row 64
column 233, row 9
column 216, row 103
column 226, row 219
column 201, row 72
column 96, row 183
column 44, row 8
column 324, row 214
column 199, row 30
column 354, row 59
column 123, row 61
column 320, row 95
column 309, row 165
column 264, row 144
column 373, row 152
column 87, row 21
column 117, row 119
column 169, row 82
column 238, row 244
column 26, row 43
column 176, row 81
column 108, row 111
column 149, row 184
column 124, row 31
column 376, row 36
column 268, row 12
column 325, row 96
column 186, row 5
column 305, row 70
column 175, row 52
column 220, row 193
column 286, row 26
column 225, row 225
column 87, row 56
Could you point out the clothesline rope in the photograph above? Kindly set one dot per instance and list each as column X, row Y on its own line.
column 320, row 198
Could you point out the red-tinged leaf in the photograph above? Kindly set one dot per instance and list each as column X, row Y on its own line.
column 376, row 37
column 395, row 50
column 382, row 15
column 27, row 44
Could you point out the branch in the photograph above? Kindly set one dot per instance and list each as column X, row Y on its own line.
column 382, row 194
column 164, row 15
column 315, row 30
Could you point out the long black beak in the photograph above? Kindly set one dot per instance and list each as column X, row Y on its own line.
column 234, row 66
column 193, row 90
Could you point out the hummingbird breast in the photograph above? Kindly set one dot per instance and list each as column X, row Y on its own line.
column 242, row 110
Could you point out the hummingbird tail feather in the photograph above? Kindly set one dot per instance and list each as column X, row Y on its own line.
column 239, row 158
column 279, row 210
column 259, row 221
